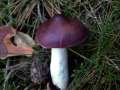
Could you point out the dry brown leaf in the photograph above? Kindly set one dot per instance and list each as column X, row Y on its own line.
column 7, row 48
column 23, row 40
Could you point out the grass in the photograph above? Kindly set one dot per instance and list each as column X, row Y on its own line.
column 97, row 62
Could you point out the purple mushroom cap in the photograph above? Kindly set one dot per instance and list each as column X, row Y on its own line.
column 61, row 32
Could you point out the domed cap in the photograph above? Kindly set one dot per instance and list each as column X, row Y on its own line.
column 60, row 32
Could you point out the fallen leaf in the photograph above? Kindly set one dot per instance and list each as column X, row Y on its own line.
column 23, row 40
column 7, row 48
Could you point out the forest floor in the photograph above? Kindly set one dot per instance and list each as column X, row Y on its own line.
column 95, row 65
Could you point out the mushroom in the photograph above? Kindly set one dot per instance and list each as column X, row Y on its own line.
column 59, row 33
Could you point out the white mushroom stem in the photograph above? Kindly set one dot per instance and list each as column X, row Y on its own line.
column 59, row 67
